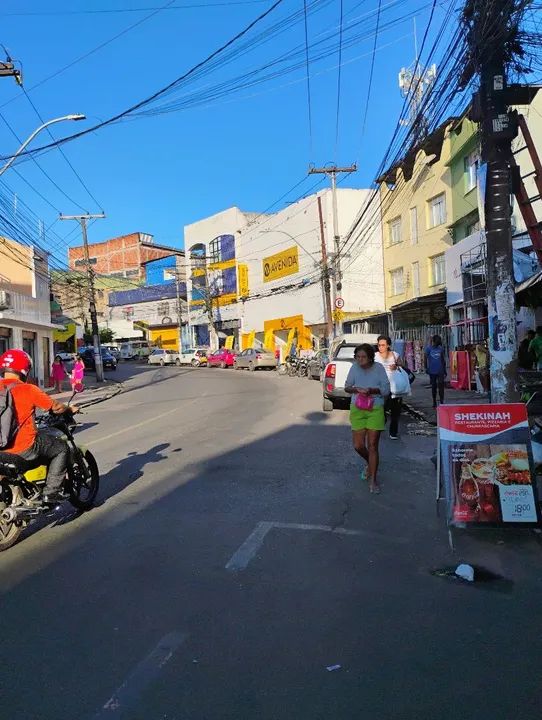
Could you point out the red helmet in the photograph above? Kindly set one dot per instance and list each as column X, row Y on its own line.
column 16, row 361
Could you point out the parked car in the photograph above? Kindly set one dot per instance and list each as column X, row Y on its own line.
column 194, row 357
column 317, row 365
column 113, row 350
column 336, row 370
column 221, row 358
column 65, row 356
column 253, row 359
column 108, row 361
column 159, row 356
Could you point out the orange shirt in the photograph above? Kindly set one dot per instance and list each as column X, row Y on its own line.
column 26, row 398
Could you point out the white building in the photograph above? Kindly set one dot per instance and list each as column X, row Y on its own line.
column 25, row 311
column 282, row 257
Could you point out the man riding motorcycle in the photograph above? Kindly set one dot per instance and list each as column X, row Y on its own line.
column 28, row 442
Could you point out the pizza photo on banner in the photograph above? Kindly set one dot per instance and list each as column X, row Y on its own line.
column 487, row 465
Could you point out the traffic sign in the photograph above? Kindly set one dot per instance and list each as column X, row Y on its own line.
column 339, row 303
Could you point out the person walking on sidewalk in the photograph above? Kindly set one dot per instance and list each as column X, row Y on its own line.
column 435, row 364
column 58, row 373
column 391, row 361
column 369, row 386
column 78, row 372
column 535, row 346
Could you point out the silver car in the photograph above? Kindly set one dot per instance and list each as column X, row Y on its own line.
column 254, row 359
column 163, row 357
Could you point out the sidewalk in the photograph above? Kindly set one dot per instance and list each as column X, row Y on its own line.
column 421, row 401
column 93, row 393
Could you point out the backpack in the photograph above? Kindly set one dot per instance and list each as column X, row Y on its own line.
column 8, row 417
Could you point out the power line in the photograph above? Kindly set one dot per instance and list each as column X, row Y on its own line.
column 117, row 11
column 371, row 71
column 339, row 79
column 61, row 151
column 308, row 75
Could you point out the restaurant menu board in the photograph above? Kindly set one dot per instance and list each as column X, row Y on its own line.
column 486, row 465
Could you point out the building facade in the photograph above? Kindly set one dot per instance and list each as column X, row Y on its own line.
column 122, row 256
column 212, row 277
column 416, row 207
column 148, row 312
column 280, row 259
column 25, row 314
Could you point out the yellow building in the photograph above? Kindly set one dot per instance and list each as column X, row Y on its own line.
column 415, row 196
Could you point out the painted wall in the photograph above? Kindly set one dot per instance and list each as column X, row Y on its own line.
column 430, row 178
column 464, row 210
column 295, row 232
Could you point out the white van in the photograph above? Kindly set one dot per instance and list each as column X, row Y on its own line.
column 135, row 350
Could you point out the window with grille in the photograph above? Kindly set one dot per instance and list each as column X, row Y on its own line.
column 472, row 161
column 394, row 231
column 397, row 281
column 437, row 210
column 437, row 270
column 215, row 250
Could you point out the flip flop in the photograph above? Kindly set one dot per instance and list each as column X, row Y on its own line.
column 363, row 474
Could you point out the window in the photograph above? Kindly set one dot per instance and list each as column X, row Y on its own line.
column 416, row 278
column 397, row 282
column 472, row 161
column 472, row 228
column 437, row 210
column 215, row 250
column 162, row 308
column 437, row 270
column 413, row 226
column 394, row 228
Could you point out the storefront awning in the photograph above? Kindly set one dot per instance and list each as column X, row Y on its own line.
column 421, row 301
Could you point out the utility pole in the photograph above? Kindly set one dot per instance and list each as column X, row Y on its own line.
column 82, row 220
column 179, row 309
column 325, row 277
column 488, row 26
column 332, row 172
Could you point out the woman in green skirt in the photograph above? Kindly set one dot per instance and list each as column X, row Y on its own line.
column 369, row 381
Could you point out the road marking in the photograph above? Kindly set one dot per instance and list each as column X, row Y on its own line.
column 244, row 554
column 144, row 422
column 129, row 693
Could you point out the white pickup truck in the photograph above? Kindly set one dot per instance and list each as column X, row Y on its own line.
column 336, row 371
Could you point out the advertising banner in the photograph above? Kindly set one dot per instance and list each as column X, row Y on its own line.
column 282, row 264
column 486, row 465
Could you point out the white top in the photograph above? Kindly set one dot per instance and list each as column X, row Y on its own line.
column 392, row 359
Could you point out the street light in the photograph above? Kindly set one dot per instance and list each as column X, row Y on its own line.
column 38, row 130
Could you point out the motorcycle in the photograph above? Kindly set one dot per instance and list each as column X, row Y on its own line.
column 22, row 481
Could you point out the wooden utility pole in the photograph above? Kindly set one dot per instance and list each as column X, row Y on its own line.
column 325, row 277
column 332, row 172
column 488, row 26
column 82, row 220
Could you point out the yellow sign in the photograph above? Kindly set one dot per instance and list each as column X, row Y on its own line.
column 249, row 340
column 66, row 334
column 228, row 344
column 338, row 315
column 282, row 264
column 269, row 340
column 242, row 271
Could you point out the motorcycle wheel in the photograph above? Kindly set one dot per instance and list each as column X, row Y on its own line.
column 9, row 531
column 292, row 370
column 83, row 491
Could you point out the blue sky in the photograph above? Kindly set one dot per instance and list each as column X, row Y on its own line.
column 156, row 174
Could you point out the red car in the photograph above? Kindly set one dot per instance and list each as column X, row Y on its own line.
column 221, row 358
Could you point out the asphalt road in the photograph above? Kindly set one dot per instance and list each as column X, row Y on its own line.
column 235, row 555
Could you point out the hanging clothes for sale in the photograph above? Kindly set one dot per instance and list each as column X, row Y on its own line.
column 398, row 346
column 418, row 356
column 409, row 354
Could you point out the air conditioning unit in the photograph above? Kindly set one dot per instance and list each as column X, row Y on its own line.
column 5, row 300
